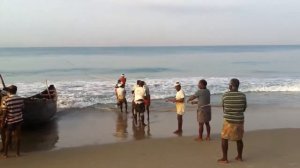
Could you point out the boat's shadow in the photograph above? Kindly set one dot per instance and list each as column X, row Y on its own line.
column 39, row 137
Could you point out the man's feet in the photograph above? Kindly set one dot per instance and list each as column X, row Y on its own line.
column 222, row 160
column 177, row 132
column 207, row 138
column 198, row 139
column 238, row 158
column 4, row 156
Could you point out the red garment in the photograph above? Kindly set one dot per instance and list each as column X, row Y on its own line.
column 123, row 80
column 147, row 102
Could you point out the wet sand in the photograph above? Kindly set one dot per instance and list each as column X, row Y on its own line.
column 104, row 124
column 267, row 148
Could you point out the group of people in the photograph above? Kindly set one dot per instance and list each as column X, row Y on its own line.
column 11, row 118
column 140, row 98
column 234, row 104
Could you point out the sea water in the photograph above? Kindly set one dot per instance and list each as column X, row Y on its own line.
column 86, row 76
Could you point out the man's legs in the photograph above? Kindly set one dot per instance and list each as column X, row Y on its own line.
column 147, row 108
column 240, row 146
column 143, row 119
column 126, row 105
column 121, row 105
column 133, row 108
column 2, row 131
column 7, row 141
column 208, row 131
column 18, row 139
column 180, row 122
column 224, row 159
column 200, row 132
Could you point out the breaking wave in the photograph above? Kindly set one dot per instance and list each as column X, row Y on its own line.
column 77, row 94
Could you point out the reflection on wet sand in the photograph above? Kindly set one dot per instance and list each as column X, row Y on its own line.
column 139, row 132
column 41, row 137
column 121, row 126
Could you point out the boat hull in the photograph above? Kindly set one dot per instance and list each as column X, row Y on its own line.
column 38, row 111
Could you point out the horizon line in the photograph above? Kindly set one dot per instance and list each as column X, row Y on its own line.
column 157, row 46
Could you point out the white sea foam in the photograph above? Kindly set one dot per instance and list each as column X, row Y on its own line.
column 86, row 93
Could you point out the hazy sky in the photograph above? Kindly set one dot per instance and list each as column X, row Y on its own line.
column 25, row 23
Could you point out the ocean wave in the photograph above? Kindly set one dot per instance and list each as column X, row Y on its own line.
column 77, row 94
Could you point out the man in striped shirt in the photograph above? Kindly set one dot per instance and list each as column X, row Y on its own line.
column 234, row 106
column 13, row 116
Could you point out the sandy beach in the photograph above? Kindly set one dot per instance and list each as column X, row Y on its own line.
column 266, row 148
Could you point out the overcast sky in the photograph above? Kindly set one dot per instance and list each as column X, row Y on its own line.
column 27, row 23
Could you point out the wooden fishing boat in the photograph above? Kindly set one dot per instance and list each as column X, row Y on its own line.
column 40, row 108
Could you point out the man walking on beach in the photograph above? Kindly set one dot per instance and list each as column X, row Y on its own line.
column 234, row 106
column 204, row 108
column 179, row 100
column 13, row 117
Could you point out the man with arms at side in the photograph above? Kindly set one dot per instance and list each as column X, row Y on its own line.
column 234, row 105
column 13, row 117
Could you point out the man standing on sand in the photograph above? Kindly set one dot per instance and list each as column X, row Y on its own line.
column 180, row 107
column 234, row 106
column 2, row 130
column 204, row 108
column 13, row 117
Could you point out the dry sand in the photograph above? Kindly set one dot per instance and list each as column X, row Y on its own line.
column 263, row 149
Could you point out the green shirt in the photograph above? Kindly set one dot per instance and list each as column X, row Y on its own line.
column 234, row 106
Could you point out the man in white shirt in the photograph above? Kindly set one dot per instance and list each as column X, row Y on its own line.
column 132, row 92
column 121, row 97
column 180, row 107
column 139, row 97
